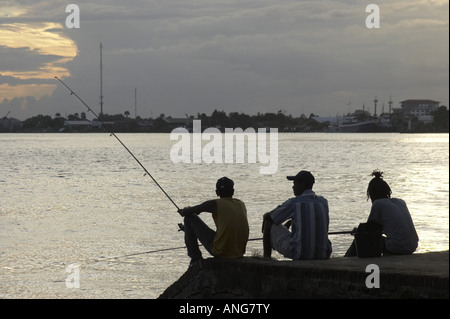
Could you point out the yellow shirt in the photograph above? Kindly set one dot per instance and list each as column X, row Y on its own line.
column 232, row 228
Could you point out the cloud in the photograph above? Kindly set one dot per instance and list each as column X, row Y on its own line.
column 10, row 92
column 22, row 59
column 34, row 50
column 252, row 56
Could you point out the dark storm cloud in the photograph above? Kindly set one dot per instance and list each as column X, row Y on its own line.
column 23, row 59
column 253, row 56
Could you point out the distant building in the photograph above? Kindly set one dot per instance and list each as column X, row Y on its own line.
column 178, row 122
column 421, row 109
column 332, row 120
column 84, row 125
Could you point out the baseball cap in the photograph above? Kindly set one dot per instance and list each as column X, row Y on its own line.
column 302, row 176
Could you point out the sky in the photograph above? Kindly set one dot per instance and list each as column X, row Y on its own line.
column 189, row 57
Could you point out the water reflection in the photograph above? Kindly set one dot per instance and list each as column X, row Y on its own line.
column 70, row 198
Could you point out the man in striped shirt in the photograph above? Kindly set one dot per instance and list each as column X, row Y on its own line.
column 308, row 215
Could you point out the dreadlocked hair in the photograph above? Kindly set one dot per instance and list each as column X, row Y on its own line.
column 378, row 188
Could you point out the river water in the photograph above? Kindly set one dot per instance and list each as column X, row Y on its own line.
column 70, row 203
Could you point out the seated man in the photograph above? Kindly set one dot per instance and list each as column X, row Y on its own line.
column 400, row 236
column 230, row 238
column 308, row 214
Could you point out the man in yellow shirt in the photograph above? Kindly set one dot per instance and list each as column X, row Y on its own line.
column 229, row 240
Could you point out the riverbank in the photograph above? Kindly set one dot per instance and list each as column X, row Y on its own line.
column 414, row 276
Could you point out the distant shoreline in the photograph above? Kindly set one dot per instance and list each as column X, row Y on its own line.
column 122, row 123
column 103, row 132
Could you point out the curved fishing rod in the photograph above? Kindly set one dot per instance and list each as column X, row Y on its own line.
column 118, row 139
column 152, row 252
column 181, row 247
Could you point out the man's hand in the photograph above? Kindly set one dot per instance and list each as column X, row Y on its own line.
column 183, row 211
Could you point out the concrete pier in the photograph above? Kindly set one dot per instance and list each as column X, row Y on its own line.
column 414, row 276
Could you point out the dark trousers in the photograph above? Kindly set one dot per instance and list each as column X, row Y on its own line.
column 351, row 252
column 196, row 230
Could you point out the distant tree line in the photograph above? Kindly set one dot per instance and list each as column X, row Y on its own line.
column 220, row 119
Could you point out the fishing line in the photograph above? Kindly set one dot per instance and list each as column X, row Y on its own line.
column 153, row 251
column 181, row 247
column 118, row 139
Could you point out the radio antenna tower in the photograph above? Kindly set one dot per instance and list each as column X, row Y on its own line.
column 101, row 80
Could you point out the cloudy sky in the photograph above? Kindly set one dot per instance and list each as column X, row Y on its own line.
column 189, row 57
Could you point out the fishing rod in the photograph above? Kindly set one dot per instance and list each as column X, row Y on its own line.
column 352, row 232
column 118, row 139
column 154, row 251
column 181, row 247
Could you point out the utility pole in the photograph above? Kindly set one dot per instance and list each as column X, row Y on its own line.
column 135, row 103
column 390, row 105
column 101, row 80
column 375, row 102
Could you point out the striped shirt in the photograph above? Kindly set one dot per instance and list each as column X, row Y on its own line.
column 310, row 220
